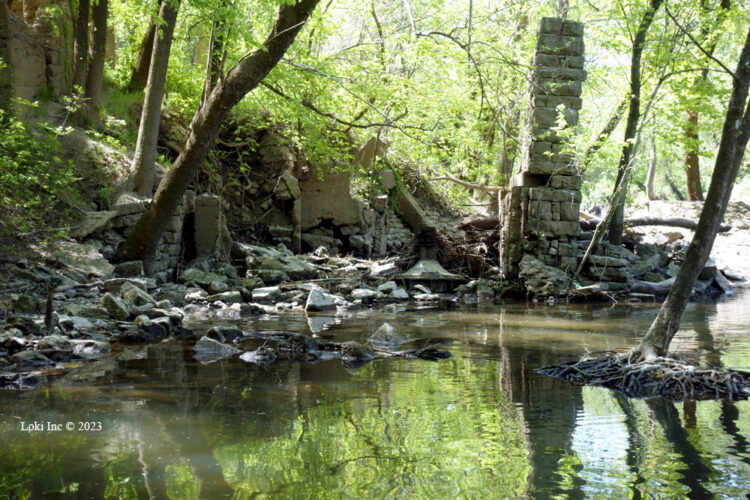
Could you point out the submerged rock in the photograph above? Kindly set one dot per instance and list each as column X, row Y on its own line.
column 354, row 351
column 388, row 335
column 90, row 349
column 260, row 356
column 26, row 360
column 21, row 380
column 225, row 333
column 208, row 350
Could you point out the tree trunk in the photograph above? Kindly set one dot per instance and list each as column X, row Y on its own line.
column 6, row 86
column 692, row 163
column 650, row 177
column 249, row 72
column 97, row 54
column 144, row 159
column 634, row 115
column 81, row 44
column 734, row 138
column 139, row 78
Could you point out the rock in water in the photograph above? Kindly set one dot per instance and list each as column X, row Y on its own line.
column 388, row 335
column 354, row 351
column 208, row 350
column 319, row 300
column 260, row 356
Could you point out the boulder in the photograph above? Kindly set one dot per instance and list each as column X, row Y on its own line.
column 208, row 350
column 388, row 335
column 136, row 296
column 202, row 278
column 25, row 304
column 90, row 349
column 115, row 307
column 260, row 356
column 365, row 294
column 354, row 351
column 225, row 334
column 320, row 300
column 232, row 297
column 84, row 257
column 56, row 347
column 266, row 294
column 129, row 269
column 294, row 267
column 540, row 279
column 153, row 331
column 26, row 360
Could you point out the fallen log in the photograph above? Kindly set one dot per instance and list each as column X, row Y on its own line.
column 589, row 223
column 655, row 288
column 479, row 222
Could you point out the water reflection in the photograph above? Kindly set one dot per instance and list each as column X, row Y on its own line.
column 480, row 425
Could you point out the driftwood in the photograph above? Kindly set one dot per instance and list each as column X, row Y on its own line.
column 589, row 223
column 598, row 291
column 656, row 288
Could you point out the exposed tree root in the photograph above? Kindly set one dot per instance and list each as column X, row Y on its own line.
column 665, row 377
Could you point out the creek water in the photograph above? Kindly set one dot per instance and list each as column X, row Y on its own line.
column 152, row 422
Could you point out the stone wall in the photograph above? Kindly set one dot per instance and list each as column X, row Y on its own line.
column 539, row 211
column 34, row 44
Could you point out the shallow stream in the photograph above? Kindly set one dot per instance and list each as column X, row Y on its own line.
column 482, row 424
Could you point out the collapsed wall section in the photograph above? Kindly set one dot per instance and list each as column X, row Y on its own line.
column 539, row 211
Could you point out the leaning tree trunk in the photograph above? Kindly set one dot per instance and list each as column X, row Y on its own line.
column 631, row 128
column 692, row 161
column 139, row 78
column 6, row 86
column 97, row 53
column 734, row 139
column 144, row 159
column 81, row 44
column 249, row 72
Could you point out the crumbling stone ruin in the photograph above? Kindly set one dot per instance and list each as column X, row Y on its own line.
column 539, row 212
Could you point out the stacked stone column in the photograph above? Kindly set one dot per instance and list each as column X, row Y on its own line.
column 539, row 212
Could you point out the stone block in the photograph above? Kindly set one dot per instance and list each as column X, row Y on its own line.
column 553, row 25
column 565, row 182
column 549, row 168
column 569, row 211
column 560, row 44
column 564, row 88
column 559, row 228
column 525, row 179
column 553, row 101
column 575, row 62
column 128, row 204
column 568, row 263
column 566, row 250
column 572, row 28
column 555, row 210
column 564, row 195
column 571, row 117
column 606, row 261
column 171, row 237
column 207, row 223
column 387, row 179
column 545, row 117
column 561, row 74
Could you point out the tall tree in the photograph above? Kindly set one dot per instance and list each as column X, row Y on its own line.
column 81, row 44
column 139, row 77
column 144, row 159
column 734, row 137
column 6, row 88
column 204, row 129
column 97, row 54
column 692, row 160
column 631, row 127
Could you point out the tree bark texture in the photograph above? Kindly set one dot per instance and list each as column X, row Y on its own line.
column 6, row 87
column 734, row 139
column 651, row 176
column 144, row 159
column 97, row 53
column 631, row 127
column 81, row 44
column 139, row 78
column 692, row 162
column 204, row 130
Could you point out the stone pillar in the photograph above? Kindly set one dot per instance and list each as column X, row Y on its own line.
column 539, row 212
